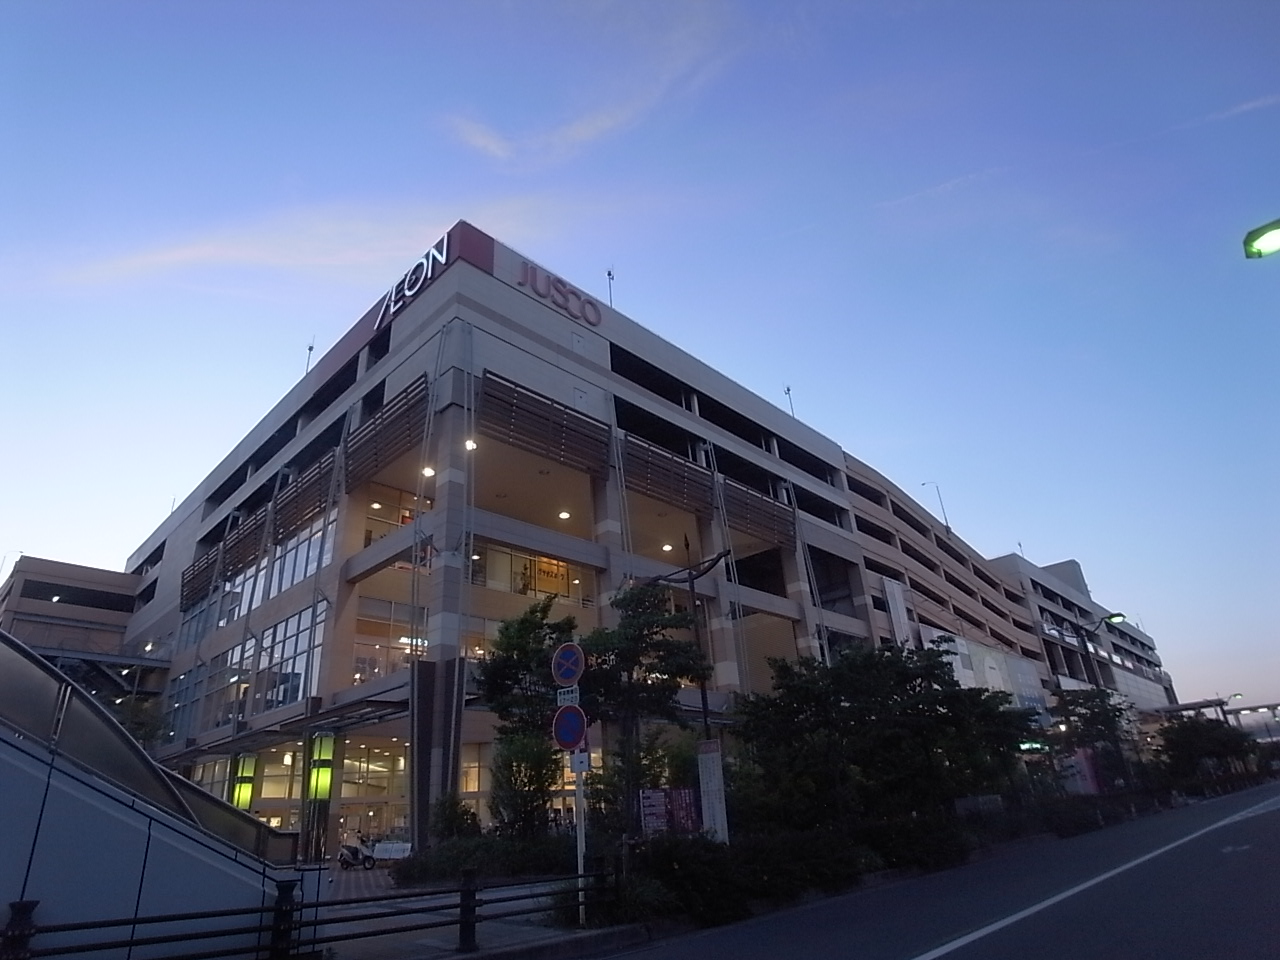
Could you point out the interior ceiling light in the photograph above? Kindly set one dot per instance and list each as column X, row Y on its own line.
column 376, row 505
column 576, row 581
column 667, row 548
column 470, row 444
column 428, row 471
column 564, row 514
column 475, row 556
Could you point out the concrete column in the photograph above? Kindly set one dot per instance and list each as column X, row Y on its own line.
column 607, row 504
column 796, row 575
column 435, row 703
column 726, row 672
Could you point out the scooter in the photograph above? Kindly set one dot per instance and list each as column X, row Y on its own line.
column 359, row 853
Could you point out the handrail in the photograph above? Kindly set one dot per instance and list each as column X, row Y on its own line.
column 287, row 921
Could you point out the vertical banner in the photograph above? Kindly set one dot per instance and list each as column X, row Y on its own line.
column 654, row 816
column 715, row 821
column 682, row 806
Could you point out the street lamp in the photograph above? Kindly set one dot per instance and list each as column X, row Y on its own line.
column 695, row 571
column 1091, row 634
column 1263, row 241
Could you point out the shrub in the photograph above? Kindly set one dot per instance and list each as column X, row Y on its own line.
column 451, row 816
column 928, row 843
column 641, row 899
column 700, row 874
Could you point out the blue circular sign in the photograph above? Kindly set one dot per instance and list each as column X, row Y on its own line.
column 567, row 664
column 569, row 727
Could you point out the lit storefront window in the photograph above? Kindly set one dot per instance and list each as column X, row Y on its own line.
column 532, row 575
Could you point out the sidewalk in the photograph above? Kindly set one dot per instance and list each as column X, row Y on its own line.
column 528, row 937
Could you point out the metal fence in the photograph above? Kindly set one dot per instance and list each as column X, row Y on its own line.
column 291, row 928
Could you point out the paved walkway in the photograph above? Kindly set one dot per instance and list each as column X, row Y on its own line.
column 362, row 941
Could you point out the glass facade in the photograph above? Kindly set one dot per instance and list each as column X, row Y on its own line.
column 278, row 667
column 512, row 570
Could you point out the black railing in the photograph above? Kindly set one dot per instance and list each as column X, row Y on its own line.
column 290, row 928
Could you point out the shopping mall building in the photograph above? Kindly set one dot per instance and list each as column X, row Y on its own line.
column 489, row 434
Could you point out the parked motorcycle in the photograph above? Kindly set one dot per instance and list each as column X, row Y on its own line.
column 359, row 853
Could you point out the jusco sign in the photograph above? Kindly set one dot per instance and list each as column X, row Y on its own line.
column 560, row 293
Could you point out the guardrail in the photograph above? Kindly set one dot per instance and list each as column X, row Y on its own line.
column 290, row 928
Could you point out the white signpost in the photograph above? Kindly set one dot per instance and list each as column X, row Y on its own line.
column 715, row 820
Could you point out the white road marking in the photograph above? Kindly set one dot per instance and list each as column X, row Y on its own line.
column 990, row 928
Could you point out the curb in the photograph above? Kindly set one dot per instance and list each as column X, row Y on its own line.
column 577, row 945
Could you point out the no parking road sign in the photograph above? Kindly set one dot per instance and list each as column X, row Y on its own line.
column 567, row 664
column 569, row 727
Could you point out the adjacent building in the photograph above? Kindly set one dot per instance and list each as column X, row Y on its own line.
column 489, row 434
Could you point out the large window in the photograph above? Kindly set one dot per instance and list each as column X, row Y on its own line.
column 371, row 771
column 388, row 509
column 532, row 575
column 281, row 775
column 388, row 637
column 280, row 667
column 290, row 563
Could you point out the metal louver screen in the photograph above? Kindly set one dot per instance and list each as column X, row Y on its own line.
column 243, row 544
column 529, row 421
column 662, row 475
column 303, row 499
column 758, row 516
column 197, row 579
column 388, row 435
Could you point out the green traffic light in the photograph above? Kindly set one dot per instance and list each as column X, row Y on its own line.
column 1263, row 241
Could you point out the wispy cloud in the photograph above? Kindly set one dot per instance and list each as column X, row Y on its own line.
column 1261, row 103
column 1218, row 116
column 690, row 45
column 948, row 186
column 362, row 244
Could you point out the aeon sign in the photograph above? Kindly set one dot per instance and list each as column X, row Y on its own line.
column 560, row 293
column 415, row 281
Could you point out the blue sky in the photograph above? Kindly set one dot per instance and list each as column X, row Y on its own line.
column 993, row 245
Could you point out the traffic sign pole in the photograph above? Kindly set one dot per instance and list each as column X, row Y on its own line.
column 569, row 728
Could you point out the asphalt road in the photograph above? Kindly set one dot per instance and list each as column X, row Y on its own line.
column 1199, row 883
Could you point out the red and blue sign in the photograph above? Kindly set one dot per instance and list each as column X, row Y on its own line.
column 569, row 728
column 567, row 663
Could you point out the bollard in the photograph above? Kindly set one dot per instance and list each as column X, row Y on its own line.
column 282, row 920
column 15, row 941
column 467, row 912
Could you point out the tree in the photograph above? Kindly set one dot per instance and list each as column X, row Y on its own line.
column 515, row 681
column 884, row 733
column 633, row 673
column 635, row 670
column 1096, row 720
column 526, row 769
column 1192, row 746
column 515, row 678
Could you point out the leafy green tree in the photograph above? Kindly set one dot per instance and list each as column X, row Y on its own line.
column 635, row 671
column 515, row 678
column 667, row 758
column 1096, row 720
column 883, row 733
column 1192, row 746
column 525, row 770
